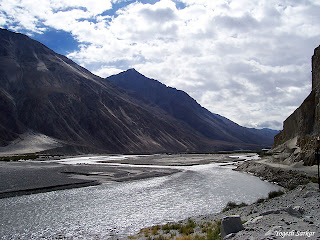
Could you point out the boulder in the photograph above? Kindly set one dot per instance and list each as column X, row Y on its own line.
column 231, row 224
column 295, row 211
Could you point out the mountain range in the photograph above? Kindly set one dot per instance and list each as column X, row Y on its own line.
column 43, row 93
column 181, row 106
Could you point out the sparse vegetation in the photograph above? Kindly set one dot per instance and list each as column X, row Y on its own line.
column 314, row 179
column 264, row 154
column 274, row 194
column 231, row 205
column 260, row 200
column 188, row 228
column 145, row 232
column 271, row 195
column 171, row 226
column 19, row 157
column 179, row 231
column 235, row 152
column 155, row 230
column 132, row 237
column 185, row 238
column 212, row 230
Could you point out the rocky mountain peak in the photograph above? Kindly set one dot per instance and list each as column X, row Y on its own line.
column 181, row 106
column 316, row 68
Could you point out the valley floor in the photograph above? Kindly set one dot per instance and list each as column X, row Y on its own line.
column 293, row 215
column 55, row 173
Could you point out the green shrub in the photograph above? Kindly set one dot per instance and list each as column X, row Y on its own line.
column 260, row 200
column 170, row 226
column 184, row 229
column 274, row 194
column 155, row 230
column 314, row 180
column 191, row 224
column 19, row 157
column 213, row 233
column 231, row 205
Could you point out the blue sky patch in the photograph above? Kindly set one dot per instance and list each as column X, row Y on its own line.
column 59, row 41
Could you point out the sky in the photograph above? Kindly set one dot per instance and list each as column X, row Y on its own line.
column 247, row 60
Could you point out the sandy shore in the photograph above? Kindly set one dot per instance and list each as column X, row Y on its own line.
column 57, row 173
column 176, row 159
column 29, row 177
column 293, row 215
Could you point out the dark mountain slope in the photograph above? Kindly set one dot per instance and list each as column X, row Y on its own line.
column 181, row 106
column 47, row 93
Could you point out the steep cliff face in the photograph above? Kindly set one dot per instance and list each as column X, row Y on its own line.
column 297, row 140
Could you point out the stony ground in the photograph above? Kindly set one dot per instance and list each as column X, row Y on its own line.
column 295, row 214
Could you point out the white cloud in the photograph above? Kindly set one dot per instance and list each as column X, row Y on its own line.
column 248, row 60
column 3, row 19
column 32, row 15
column 106, row 71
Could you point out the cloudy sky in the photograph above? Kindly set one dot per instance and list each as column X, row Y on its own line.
column 247, row 60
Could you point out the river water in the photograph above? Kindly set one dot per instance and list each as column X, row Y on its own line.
column 121, row 209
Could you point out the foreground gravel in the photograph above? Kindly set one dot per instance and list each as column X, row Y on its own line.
column 294, row 215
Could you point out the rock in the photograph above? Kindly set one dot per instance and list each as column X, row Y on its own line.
column 273, row 231
column 229, row 236
column 308, row 194
column 231, row 224
column 308, row 219
column 254, row 220
column 296, row 211
column 271, row 212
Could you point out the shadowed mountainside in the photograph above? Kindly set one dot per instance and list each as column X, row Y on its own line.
column 181, row 106
column 45, row 93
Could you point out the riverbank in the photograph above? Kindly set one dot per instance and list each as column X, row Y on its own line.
column 29, row 177
column 292, row 215
column 49, row 173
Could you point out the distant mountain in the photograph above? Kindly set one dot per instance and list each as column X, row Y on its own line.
column 47, row 99
column 44, row 92
column 298, row 139
column 182, row 107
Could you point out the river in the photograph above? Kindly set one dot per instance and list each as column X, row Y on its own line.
column 120, row 209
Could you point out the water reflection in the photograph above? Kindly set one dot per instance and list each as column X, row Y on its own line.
column 123, row 208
